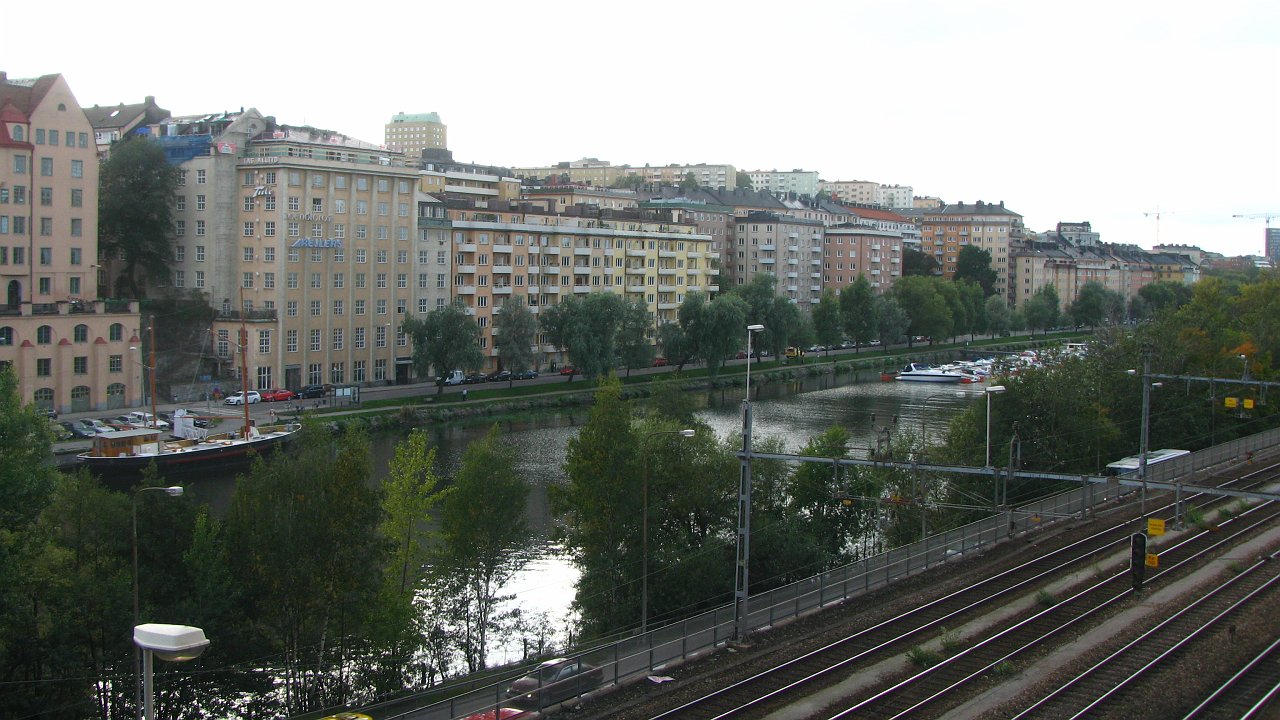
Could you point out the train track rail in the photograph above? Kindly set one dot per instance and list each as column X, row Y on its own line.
column 835, row 661
column 1252, row 691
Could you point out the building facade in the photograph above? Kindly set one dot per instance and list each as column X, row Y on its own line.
column 988, row 226
column 410, row 134
column 788, row 248
column 69, row 350
column 854, row 250
column 799, row 182
column 856, row 192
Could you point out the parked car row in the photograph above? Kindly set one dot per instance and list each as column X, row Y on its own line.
column 457, row 378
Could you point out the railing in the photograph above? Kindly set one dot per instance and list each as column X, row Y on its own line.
column 641, row 655
column 269, row 314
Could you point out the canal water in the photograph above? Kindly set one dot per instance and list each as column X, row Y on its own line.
column 793, row 412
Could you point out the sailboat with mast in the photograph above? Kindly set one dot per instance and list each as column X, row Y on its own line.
column 129, row 452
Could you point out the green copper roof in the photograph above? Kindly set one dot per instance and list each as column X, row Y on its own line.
column 416, row 117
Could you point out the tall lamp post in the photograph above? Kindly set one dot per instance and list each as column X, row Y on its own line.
column 173, row 491
column 644, row 531
column 744, row 504
column 991, row 390
column 1144, row 441
column 174, row 643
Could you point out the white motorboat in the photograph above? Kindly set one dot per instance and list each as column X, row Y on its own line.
column 923, row 372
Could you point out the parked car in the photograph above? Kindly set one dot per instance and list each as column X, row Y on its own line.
column 455, row 377
column 817, row 348
column 554, row 681
column 94, row 427
column 475, row 378
column 348, row 716
column 277, row 395
column 659, row 362
column 60, row 431
column 119, row 422
column 240, row 398
column 794, row 352
column 568, row 370
column 845, row 345
column 138, row 418
column 526, row 375
column 311, row 391
column 500, row 376
column 76, row 429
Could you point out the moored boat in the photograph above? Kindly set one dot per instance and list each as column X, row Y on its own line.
column 129, row 452
column 923, row 372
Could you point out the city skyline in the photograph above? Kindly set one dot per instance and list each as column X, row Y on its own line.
column 1088, row 112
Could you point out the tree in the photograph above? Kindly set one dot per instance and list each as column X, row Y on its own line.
column 1164, row 295
column 135, row 212
column 916, row 263
column 743, row 180
column 974, row 264
column 975, row 303
column 446, row 338
column 1041, row 311
column 482, row 530
column 826, row 320
column 629, row 182
column 857, row 312
column 597, row 506
column 956, row 303
column 514, row 332
column 689, row 183
column 1094, row 304
column 678, row 347
column 925, row 305
column 891, row 320
column 997, row 315
column 587, row 329
column 634, row 323
column 300, row 534
column 784, row 325
column 723, row 324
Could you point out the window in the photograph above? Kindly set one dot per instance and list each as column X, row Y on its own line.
column 115, row 333
column 291, row 341
column 201, row 177
column 44, row 368
column 316, row 339
column 199, row 228
column 200, row 202
column 315, row 308
column 246, row 281
column 19, row 164
column 382, row 280
column 269, row 281
column 46, row 166
column 315, row 281
column 291, row 280
column 337, row 307
column 44, row 335
column 115, row 363
column 269, row 229
column 199, row 253
column 291, row 308
column 337, row 338
column 46, row 196
column 264, row 342
column 360, row 255
column 180, row 228
column 357, row 340
column 338, row 280
column 358, row 308
column 77, row 168
column 382, row 257
column 199, row 278
column 382, row 307
column 180, row 204
column 268, row 254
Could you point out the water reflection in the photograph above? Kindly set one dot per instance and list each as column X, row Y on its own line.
column 792, row 412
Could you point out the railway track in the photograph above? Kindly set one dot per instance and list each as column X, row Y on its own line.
column 781, row 684
column 1250, row 693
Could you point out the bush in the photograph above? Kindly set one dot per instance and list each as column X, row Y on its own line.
column 922, row 657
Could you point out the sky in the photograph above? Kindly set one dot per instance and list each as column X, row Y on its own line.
column 1154, row 121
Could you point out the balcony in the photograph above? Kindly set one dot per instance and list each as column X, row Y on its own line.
column 636, row 253
column 666, row 288
column 815, row 276
column 502, row 269
column 766, row 261
column 792, row 261
column 430, row 222
column 465, row 269
column 550, row 251
column 793, row 248
column 550, row 290
column 668, row 306
column 249, row 316
column 815, row 262
column 464, row 289
column 635, row 289
column 668, row 271
column 792, row 275
column 636, row 271
column 502, row 290
column 792, row 288
column 466, row 247
column 581, row 251
column 793, row 235
column 581, row 269
column 770, row 247
column 667, row 254
column 581, row 289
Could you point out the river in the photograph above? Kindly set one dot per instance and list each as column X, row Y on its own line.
column 792, row 411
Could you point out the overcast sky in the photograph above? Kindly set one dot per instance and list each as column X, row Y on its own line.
column 1066, row 111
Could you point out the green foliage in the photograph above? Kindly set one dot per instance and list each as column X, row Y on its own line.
column 928, row 310
column 973, row 264
column 1004, row 669
column 827, row 320
column 1046, row 598
column 597, row 505
column 482, row 530
column 997, row 315
column 722, row 329
column 301, row 533
column 923, row 657
column 26, row 479
column 587, row 328
column 634, row 324
column 857, row 311
column 743, row 180
column 892, row 320
column 445, row 339
column 135, row 212
column 1095, row 305
column 514, row 331
column 918, row 264
column 1042, row 310
column 950, row 640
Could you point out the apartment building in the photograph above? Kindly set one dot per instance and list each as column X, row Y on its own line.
column 445, row 177
column 799, row 182
column 859, row 249
column 988, row 226
column 587, row 171
column 789, row 248
column 410, row 134
column 114, row 122
column 895, row 196
column 561, row 197
column 504, row 250
column 855, row 192
column 70, row 351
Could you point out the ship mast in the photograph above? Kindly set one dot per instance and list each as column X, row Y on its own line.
column 244, row 365
column 152, row 329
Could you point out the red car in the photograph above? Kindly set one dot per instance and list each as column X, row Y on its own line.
column 277, row 395
column 660, row 362
column 568, row 370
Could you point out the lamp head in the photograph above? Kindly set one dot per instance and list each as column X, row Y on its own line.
column 686, row 433
column 171, row 642
column 754, row 328
column 995, row 389
column 173, row 491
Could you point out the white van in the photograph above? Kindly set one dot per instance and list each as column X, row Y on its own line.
column 453, row 378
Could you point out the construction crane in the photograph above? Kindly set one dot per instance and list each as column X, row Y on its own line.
column 1268, row 217
column 1157, row 213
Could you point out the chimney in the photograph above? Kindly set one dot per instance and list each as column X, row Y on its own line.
column 4, row 76
column 151, row 100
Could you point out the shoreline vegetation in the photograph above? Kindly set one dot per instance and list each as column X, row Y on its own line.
column 498, row 401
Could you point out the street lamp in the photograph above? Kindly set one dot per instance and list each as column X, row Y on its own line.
column 924, row 414
column 744, row 505
column 991, row 390
column 644, row 531
column 751, row 330
column 1144, row 441
column 173, row 491
column 175, row 643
